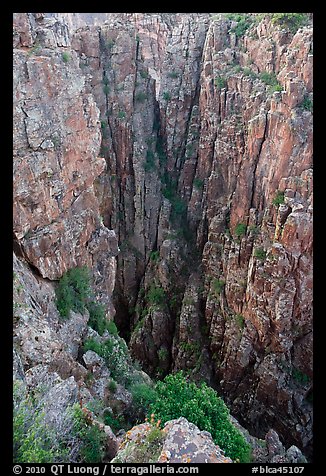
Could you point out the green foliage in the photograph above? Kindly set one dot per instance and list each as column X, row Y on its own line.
column 32, row 439
column 220, row 82
column 65, row 57
column 144, row 74
column 121, row 115
column 249, row 72
column 140, row 97
column 244, row 21
column 260, row 253
column 240, row 230
column 155, row 295
column 173, row 74
column 299, row 376
column 254, row 229
column 218, row 286
column 97, row 319
column 240, row 320
column 201, row 405
column 112, row 386
column 143, row 395
column 93, row 439
column 271, row 80
column 73, row 291
column 291, row 21
column 115, row 422
column 112, row 328
column 278, row 199
column 307, row 104
column 149, row 163
column 166, row 96
column 154, row 256
column 198, row 183
column 106, row 89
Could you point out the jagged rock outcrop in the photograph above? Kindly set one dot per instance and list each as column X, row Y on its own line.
column 178, row 442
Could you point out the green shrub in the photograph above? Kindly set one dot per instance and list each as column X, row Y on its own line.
column 93, row 439
column 198, row 183
column 240, row 320
column 114, row 422
column 112, row 386
column 201, row 405
column 112, row 328
column 220, row 82
column 65, row 57
column 106, row 89
column 166, row 96
column 271, row 80
column 149, row 163
column 218, row 286
column 73, row 291
column 173, row 74
column 121, row 115
column 291, row 21
column 299, row 376
column 155, row 295
column 143, row 395
column 140, row 97
column 244, row 21
column 240, row 230
column 97, row 319
column 278, row 199
column 33, row 441
column 154, row 256
column 260, row 253
column 307, row 104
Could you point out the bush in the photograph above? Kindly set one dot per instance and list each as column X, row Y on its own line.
column 220, row 82
column 307, row 104
column 93, row 439
column 260, row 253
column 202, row 406
column 97, row 319
column 140, row 97
column 198, row 183
column 166, row 96
column 291, row 21
column 112, row 328
column 143, row 396
column 278, row 199
column 72, row 291
column 155, row 295
column 244, row 22
column 240, row 230
column 32, row 439
column 271, row 80
column 218, row 286
column 65, row 57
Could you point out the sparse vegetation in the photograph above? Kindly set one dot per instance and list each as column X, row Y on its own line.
column 218, row 286
column 220, row 82
column 198, row 183
column 300, row 377
column 121, row 115
column 290, row 21
column 240, row 320
column 240, row 230
column 155, row 295
column 166, row 96
column 244, row 21
column 154, row 256
column 278, row 199
column 271, row 80
column 260, row 253
column 307, row 104
column 140, row 97
column 65, row 57
column 92, row 438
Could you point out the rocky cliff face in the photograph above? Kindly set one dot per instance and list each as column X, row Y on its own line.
column 188, row 143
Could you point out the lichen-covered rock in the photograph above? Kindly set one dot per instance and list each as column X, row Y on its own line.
column 179, row 442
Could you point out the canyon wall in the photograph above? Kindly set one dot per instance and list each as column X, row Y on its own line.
column 189, row 145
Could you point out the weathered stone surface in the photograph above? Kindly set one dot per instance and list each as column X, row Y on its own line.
column 181, row 442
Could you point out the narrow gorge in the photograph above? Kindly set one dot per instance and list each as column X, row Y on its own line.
column 170, row 155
